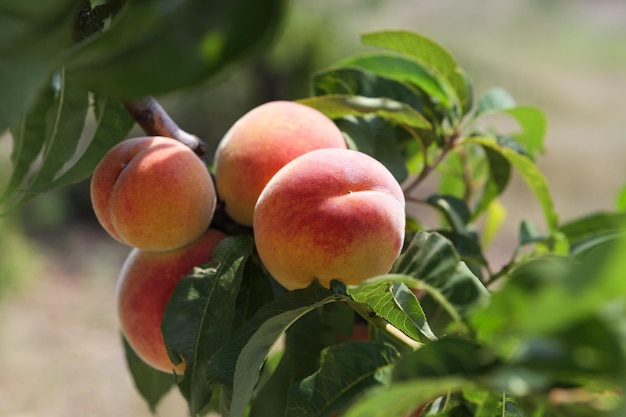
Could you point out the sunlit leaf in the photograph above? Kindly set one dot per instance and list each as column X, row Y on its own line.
column 620, row 202
column 432, row 258
column 494, row 219
column 534, row 125
column 345, row 371
column 338, row 105
column 394, row 301
column 426, row 51
column 531, row 120
column 531, row 175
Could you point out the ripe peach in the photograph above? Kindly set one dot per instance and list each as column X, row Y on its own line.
column 153, row 193
column 146, row 283
column 331, row 213
column 260, row 143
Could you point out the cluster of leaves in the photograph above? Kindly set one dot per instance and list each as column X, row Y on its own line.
column 432, row 336
column 442, row 333
column 67, row 61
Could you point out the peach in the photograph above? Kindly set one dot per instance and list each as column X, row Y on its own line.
column 146, row 283
column 331, row 213
column 153, row 193
column 260, row 143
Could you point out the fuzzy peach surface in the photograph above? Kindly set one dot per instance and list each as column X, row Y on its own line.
column 153, row 193
column 146, row 283
column 330, row 214
column 260, row 143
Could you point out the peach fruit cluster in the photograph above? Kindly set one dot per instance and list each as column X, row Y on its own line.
column 318, row 211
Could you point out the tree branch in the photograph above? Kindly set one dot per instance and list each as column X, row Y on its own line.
column 155, row 121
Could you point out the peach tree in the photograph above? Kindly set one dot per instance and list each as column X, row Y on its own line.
column 441, row 332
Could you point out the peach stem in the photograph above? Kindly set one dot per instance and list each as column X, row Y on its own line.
column 155, row 121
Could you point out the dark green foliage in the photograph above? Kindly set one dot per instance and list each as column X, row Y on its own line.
column 60, row 60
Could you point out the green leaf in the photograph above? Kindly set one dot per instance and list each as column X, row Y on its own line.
column 531, row 175
column 198, row 317
column 238, row 362
column 209, row 35
column 429, row 53
column 400, row 399
column 448, row 356
column 336, row 106
column 28, row 139
column 346, row 370
column 620, row 202
column 32, row 37
column 376, row 137
column 151, row 384
column 452, row 181
column 531, row 119
column 453, row 209
column 64, row 128
column 494, row 219
column 255, row 291
column 498, row 179
column 404, row 69
column 534, row 126
column 304, row 341
column 591, row 230
column 50, row 135
column 494, row 100
column 359, row 82
column 396, row 303
column 586, row 347
column 112, row 124
column 432, row 258
column 561, row 291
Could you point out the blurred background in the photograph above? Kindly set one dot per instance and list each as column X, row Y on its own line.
column 60, row 351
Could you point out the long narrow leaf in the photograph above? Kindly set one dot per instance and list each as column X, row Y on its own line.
column 67, row 119
column 337, row 105
column 531, row 174
column 199, row 315
column 112, row 124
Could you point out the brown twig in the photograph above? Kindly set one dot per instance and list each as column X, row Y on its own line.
column 154, row 120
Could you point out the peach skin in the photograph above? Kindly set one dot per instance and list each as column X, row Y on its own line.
column 331, row 213
column 146, row 283
column 260, row 143
column 153, row 193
